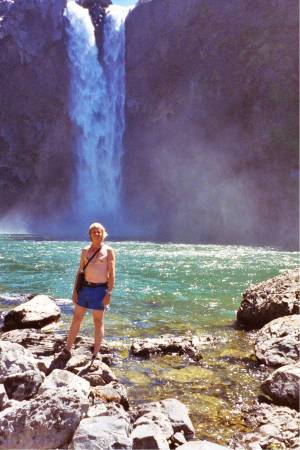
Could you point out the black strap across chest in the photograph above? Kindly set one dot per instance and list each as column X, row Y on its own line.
column 91, row 259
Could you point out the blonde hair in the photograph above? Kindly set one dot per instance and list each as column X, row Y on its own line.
column 98, row 225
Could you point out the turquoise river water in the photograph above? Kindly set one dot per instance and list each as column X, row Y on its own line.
column 162, row 288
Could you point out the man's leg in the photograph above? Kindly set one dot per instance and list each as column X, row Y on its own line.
column 78, row 315
column 98, row 317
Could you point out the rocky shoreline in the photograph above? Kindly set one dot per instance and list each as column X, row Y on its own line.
column 79, row 404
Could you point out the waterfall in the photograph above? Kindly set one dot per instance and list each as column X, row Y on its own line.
column 97, row 109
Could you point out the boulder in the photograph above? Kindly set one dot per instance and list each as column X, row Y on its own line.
column 275, row 427
column 38, row 342
column 277, row 343
column 270, row 299
column 187, row 345
column 161, row 420
column 149, row 436
column 111, row 392
column 36, row 313
column 18, row 371
column 178, row 415
column 283, row 385
column 47, row 421
column 62, row 379
column 106, row 432
column 175, row 411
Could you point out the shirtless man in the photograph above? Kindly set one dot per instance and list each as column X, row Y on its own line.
column 97, row 289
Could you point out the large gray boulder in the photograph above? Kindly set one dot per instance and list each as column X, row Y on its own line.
column 270, row 299
column 149, row 436
column 158, row 418
column 47, row 421
column 277, row 343
column 106, row 432
column 176, row 413
column 62, row 379
column 41, row 310
column 283, row 385
column 18, row 371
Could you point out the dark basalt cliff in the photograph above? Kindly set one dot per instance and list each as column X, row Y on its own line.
column 36, row 160
column 212, row 120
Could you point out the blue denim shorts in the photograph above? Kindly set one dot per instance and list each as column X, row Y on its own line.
column 92, row 297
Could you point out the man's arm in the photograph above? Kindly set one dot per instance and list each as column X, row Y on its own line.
column 111, row 270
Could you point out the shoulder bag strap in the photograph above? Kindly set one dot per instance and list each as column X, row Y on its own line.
column 91, row 259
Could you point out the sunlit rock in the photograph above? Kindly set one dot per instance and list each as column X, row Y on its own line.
column 36, row 313
column 186, row 345
column 270, row 299
column 105, row 432
column 62, row 379
column 175, row 411
column 277, row 343
column 47, row 421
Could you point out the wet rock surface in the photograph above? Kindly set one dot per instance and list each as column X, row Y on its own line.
column 97, row 10
column 270, row 299
column 278, row 342
column 283, row 385
column 186, row 345
column 275, row 427
column 41, row 310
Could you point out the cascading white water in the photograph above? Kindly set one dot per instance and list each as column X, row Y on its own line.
column 97, row 109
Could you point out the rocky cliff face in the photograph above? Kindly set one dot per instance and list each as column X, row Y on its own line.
column 211, row 138
column 36, row 160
